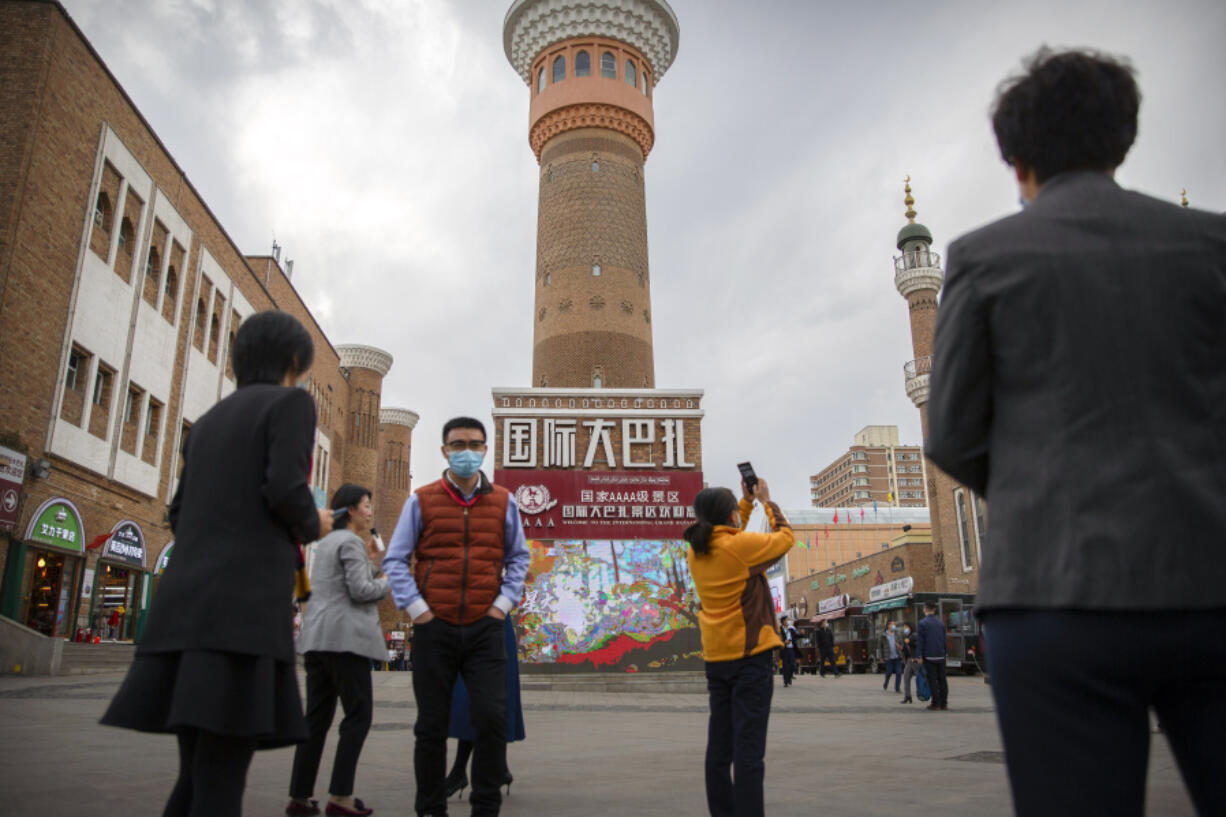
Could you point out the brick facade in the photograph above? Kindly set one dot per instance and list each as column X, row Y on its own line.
column 155, row 314
column 912, row 556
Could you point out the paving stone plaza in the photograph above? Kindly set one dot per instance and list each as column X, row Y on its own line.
column 840, row 747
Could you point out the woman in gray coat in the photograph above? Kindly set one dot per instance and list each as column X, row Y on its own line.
column 340, row 635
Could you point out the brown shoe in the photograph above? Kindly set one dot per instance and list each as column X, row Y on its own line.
column 298, row 809
column 933, row 707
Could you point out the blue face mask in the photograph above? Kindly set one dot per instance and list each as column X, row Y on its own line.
column 465, row 463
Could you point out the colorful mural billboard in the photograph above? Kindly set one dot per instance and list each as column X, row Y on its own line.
column 609, row 606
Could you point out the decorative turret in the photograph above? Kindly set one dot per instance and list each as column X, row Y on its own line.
column 918, row 277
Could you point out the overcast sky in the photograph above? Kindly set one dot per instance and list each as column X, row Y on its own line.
column 384, row 144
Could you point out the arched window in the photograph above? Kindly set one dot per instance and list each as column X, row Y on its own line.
column 151, row 264
column 559, row 69
column 632, row 75
column 540, row 80
column 646, row 82
column 597, row 381
column 595, row 166
column 608, row 65
column 596, row 270
column 583, row 64
column 125, row 235
column 172, row 283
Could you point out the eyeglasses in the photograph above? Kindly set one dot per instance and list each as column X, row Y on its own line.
column 460, row 445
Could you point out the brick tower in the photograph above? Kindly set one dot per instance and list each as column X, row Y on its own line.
column 392, row 490
column 955, row 512
column 365, row 367
column 591, row 68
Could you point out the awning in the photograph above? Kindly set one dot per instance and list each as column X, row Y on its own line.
column 833, row 614
column 887, row 604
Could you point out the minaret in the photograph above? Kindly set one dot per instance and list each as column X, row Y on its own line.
column 918, row 277
column 364, row 367
column 591, row 69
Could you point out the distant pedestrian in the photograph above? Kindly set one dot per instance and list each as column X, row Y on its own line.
column 737, row 623
column 911, row 661
column 931, row 645
column 888, row 653
column 340, row 634
column 825, row 649
column 1079, row 386
column 790, row 636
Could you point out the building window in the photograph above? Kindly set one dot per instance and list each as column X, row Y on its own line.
column 76, row 364
column 595, row 166
column 583, row 64
column 125, row 235
column 646, row 82
column 540, row 79
column 201, row 309
column 102, row 387
column 152, row 268
column 964, row 538
column 981, row 524
column 131, row 406
column 153, row 420
column 632, row 74
column 608, row 65
column 547, row 279
column 559, row 69
column 102, row 213
column 596, row 270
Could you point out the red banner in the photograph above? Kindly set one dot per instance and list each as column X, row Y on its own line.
column 603, row 504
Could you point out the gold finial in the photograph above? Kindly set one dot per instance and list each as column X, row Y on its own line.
column 1183, row 197
column 910, row 202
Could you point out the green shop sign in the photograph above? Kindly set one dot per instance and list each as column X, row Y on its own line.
column 57, row 522
column 842, row 577
column 859, row 571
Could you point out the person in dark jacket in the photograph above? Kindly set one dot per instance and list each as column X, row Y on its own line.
column 825, row 649
column 931, row 645
column 789, row 635
column 911, row 662
column 216, row 663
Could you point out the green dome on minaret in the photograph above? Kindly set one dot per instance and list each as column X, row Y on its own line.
column 912, row 230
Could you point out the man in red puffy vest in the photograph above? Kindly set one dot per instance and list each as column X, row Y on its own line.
column 471, row 559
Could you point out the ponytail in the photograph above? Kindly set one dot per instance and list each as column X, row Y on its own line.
column 712, row 506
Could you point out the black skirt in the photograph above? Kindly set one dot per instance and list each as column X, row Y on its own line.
column 227, row 693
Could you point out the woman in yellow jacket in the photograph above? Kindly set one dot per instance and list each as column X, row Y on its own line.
column 737, row 621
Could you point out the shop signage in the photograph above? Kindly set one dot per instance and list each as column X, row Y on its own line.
column 898, row 587
column 569, row 443
column 87, row 584
column 897, row 565
column 12, row 477
column 126, row 544
column 860, row 571
column 396, row 635
column 833, row 603
column 164, row 557
column 833, row 579
column 603, row 504
column 57, row 522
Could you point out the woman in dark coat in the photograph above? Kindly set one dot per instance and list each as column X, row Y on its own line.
column 461, row 726
column 216, row 663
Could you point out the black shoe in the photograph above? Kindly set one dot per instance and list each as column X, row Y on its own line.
column 906, row 700
column 455, row 783
column 886, row 684
column 507, row 780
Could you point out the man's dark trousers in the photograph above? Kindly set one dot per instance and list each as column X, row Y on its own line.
column 332, row 675
column 893, row 666
column 477, row 652
column 789, row 665
column 937, row 682
column 1099, row 673
column 821, row 663
column 740, row 695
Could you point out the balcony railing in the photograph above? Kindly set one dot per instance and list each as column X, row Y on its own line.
column 914, row 368
column 917, row 259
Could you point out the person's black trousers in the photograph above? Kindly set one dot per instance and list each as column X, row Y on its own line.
column 740, row 697
column 332, row 675
column 477, row 652
column 1073, row 691
column 789, row 665
column 937, row 682
column 823, row 657
column 212, row 775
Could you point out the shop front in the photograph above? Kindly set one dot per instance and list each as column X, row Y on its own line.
column 898, row 601
column 121, row 585
column 49, row 564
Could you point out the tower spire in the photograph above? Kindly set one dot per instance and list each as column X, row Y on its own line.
column 909, row 201
column 1183, row 197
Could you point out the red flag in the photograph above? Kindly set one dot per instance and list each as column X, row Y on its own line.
column 861, row 513
column 836, row 516
column 827, row 532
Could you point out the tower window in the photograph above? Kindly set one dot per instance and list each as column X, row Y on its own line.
column 547, row 279
column 559, row 69
column 540, row 80
column 608, row 65
column 632, row 75
column 596, row 270
column 646, row 82
column 583, row 64
column 595, row 166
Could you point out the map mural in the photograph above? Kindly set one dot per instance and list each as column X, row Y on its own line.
column 609, row 606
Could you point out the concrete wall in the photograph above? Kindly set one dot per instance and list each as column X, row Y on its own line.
column 26, row 652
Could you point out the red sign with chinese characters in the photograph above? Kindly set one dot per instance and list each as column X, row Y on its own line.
column 603, row 504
